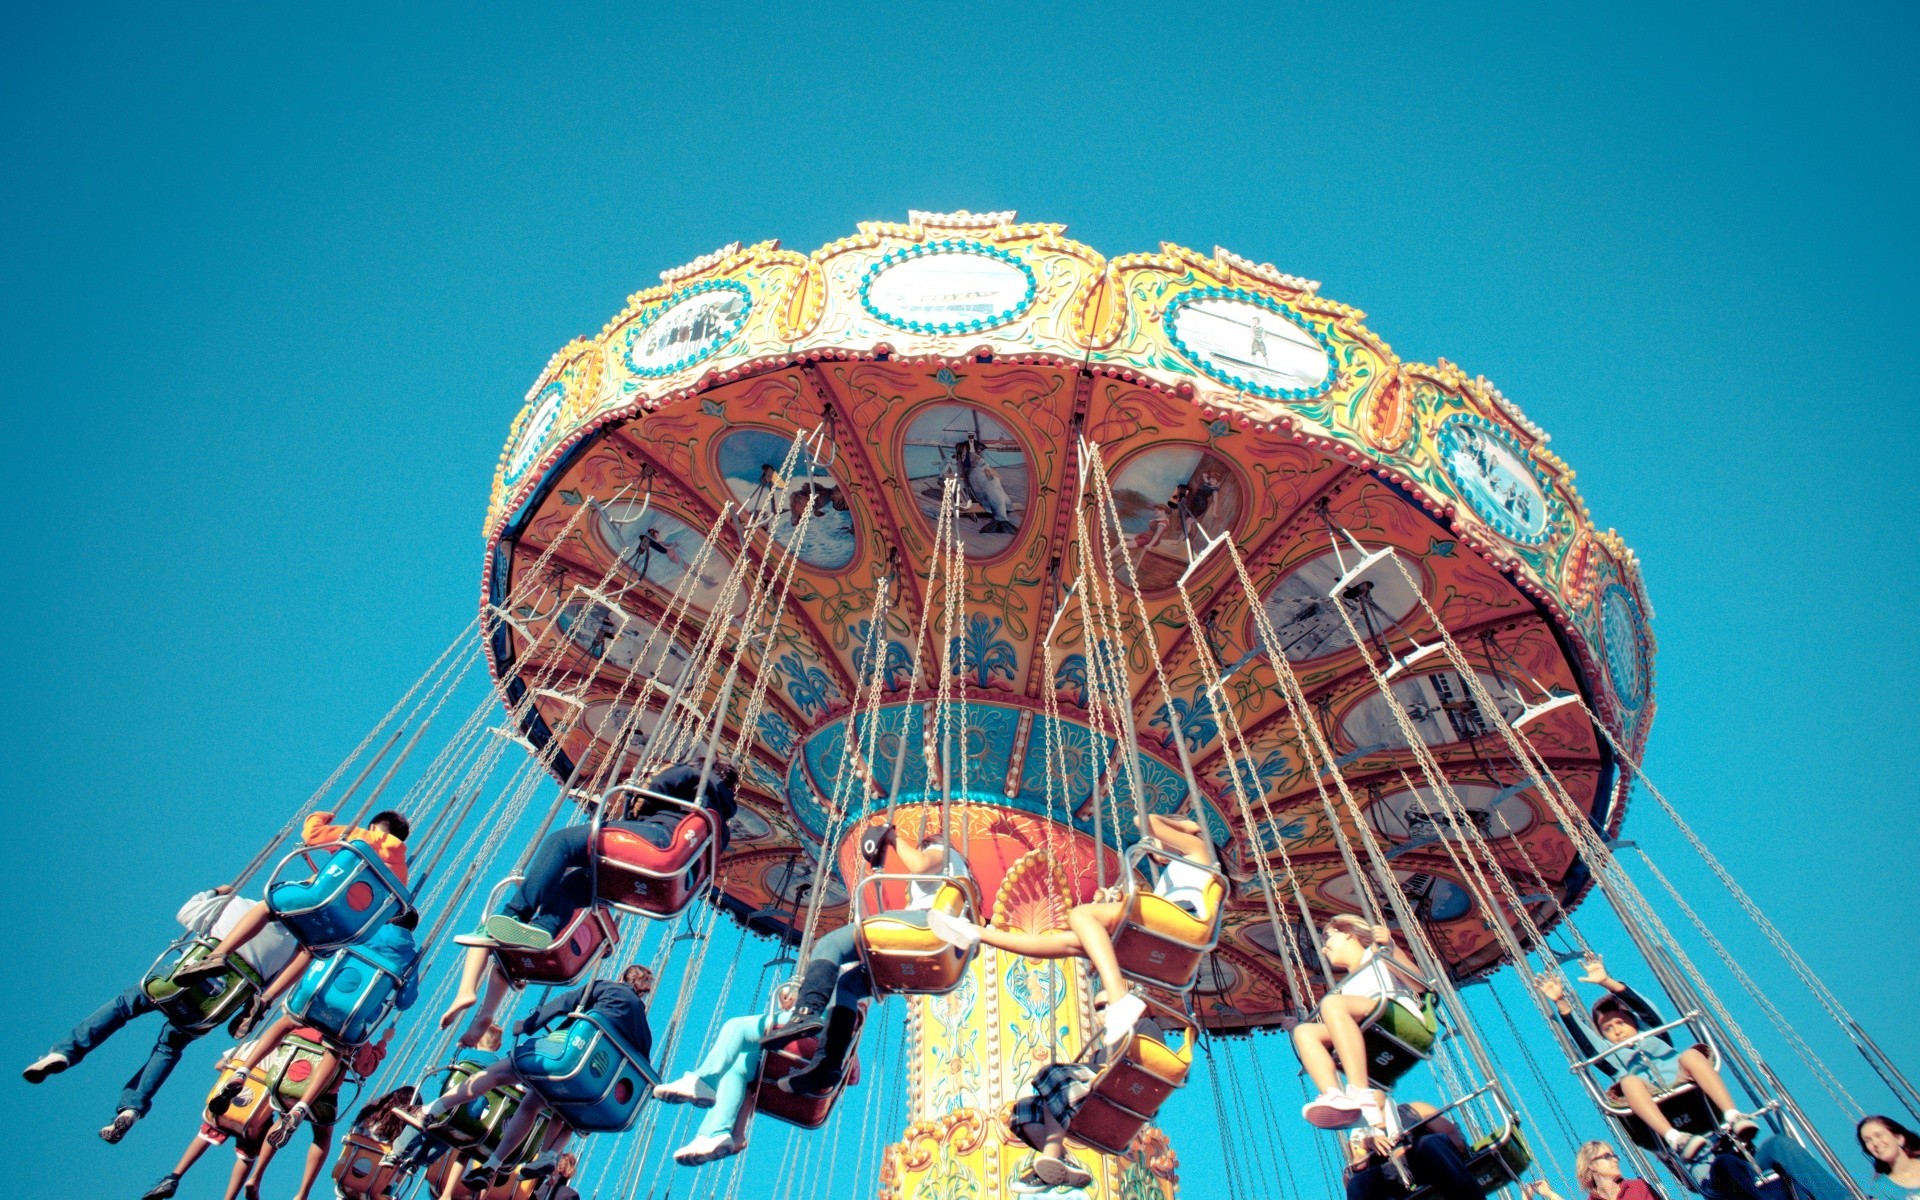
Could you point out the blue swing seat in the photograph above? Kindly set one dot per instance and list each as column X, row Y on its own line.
column 586, row 1073
column 350, row 893
column 345, row 996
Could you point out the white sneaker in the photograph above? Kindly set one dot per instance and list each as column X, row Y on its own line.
column 705, row 1150
column 51, row 1063
column 1333, row 1109
column 957, row 932
column 688, row 1089
column 1740, row 1125
column 1122, row 1015
column 440, row 1106
column 1688, row 1146
column 1372, row 1110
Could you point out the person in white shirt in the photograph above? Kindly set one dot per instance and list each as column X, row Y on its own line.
column 1090, row 927
column 210, row 912
column 1374, row 969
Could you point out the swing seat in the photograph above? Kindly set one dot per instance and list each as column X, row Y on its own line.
column 204, row 1003
column 589, row 934
column 1134, row 1081
column 292, row 1066
column 350, row 994
column 251, row 1111
column 634, row 875
column 456, row 1166
column 1162, row 944
column 1493, row 1161
column 349, row 893
column 586, row 1073
column 359, row 1171
column 1685, row 1106
column 911, row 959
column 779, row 1061
column 1396, row 1040
column 477, row 1126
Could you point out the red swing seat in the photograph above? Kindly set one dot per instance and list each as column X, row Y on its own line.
column 783, row 1059
column 634, row 875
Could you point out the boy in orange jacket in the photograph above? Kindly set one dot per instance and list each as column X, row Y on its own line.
column 386, row 833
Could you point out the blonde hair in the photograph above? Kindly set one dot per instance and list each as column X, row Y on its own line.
column 1583, row 1161
column 1352, row 926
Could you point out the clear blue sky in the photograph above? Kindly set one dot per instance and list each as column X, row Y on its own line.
column 277, row 279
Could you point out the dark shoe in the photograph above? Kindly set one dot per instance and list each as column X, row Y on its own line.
column 804, row 1022
column 814, row 1082
column 478, row 1178
column 822, row 1074
column 224, row 1098
column 206, row 968
column 283, row 1129
column 51, row 1063
column 114, row 1130
column 164, row 1190
column 542, row 1166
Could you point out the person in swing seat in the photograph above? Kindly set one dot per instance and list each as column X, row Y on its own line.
column 721, row 1082
column 1646, row 1065
column 252, row 1156
column 1090, row 927
column 834, row 974
column 386, row 834
column 273, row 955
column 1435, row 1156
column 1374, row 970
column 621, row 1003
column 558, row 879
column 391, row 945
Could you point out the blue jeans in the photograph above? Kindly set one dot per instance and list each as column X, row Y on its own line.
column 1729, row 1177
column 559, row 879
column 106, row 1021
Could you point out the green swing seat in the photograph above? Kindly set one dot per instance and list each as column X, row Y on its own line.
column 200, row 1005
column 1396, row 1039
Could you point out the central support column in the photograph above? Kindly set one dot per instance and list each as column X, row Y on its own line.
column 971, row 1052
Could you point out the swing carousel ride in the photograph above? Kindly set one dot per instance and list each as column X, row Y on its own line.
column 959, row 526
column 960, row 521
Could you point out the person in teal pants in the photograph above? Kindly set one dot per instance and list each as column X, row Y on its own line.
column 719, row 1084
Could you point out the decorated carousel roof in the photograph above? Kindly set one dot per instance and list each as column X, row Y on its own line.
column 978, row 339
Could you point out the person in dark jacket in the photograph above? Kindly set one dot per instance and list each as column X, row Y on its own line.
column 1436, row 1157
column 558, row 880
column 621, row 1004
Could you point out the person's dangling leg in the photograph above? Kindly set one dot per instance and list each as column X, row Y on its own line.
column 1342, row 1016
column 262, row 1046
column 738, row 1036
column 99, row 1025
column 822, row 1074
column 473, row 973
column 250, row 923
column 170, row 1182
column 546, row 895
column 541, row 890
column 486, row 1013
column 316, row 1160
column 1638, row 1094
column 831, row 953
column 1700, row 1069
column 1314, row 1046
column 137, row 1097
column 477, row 1085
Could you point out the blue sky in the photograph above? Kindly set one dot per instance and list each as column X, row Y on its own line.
column 277, row 280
